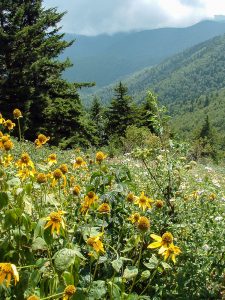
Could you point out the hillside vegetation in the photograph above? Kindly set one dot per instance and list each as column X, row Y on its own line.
column 104, row 58
column 184, row 77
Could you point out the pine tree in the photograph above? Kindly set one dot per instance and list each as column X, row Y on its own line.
column 121, row 112
column 147, row 111
column 30, row 73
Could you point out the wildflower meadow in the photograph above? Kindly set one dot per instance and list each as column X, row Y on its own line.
column 78, row 225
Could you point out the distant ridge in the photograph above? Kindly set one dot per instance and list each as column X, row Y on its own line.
column 181, row 78
column 105, row 59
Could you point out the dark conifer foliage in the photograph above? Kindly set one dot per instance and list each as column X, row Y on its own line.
column 30, row 73
column 121, row 112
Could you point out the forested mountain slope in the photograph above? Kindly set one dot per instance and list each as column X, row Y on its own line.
column 184, row 77
column 104, row 58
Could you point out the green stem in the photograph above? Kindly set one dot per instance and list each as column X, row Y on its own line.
column 53, row 296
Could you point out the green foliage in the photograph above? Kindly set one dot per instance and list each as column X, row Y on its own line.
column 121, row 112
column 31, row 74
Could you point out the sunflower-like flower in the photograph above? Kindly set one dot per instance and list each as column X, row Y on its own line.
column 131, row 197
column 100, row 156
column 9, row 124
column 143, row 201
column 25, row 161
column 64, row 168
column 163, row 243
column 52, row 159
column 96, row 243
column 134, row 217
column 2, row 120
column 69, row 291
column 3, row 139
column 6, row 160
column 171, row 252
column 7, row 146
column 25, row 173
column 41, row 178
column 104, row 208
column 90, row 198
column 159, row 203
column 57, row 176
column 76, row 190
column 41, row 140
column 55, row 220
column 79, row 162
column 33, row 297
column 7, row 271
column 143, row 224
column 17, row 113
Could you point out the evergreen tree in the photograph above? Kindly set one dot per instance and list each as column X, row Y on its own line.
column 147, row 111
column 30, row 74
column 121, row 112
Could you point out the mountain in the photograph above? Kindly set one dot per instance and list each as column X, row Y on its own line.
column 104, row 58
column 193, row 113
column 181, row 78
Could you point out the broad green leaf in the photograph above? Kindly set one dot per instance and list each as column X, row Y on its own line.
column 165, row 265
column 117, row 264
column 98, row 290
column 130, row 272
column 152, row 263
column 39, row 244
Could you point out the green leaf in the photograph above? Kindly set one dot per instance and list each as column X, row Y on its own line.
column 63, row 259
column 4, row 199
column 114, row 290
column 165, row 265
column 68, row 277
column 145, row 275
column 130, row 272
column 39, row 244
column 152, row 263
column 98, row 290
column 117, row 264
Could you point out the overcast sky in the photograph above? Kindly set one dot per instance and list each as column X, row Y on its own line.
column 92, row 17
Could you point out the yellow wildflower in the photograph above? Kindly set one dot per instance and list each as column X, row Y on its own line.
column 41, row 178
column 143, row 202
column 25, row 173
column 171, row 252
column 8, row 145
column 79, row 162
column 143, row 224
column 17, row 113
column 162, row 243
column 25, row 161
column 9, row 124
column 159, row 203
column 52, row 159
column 131, row 197
column 7, row 271
column 6, row 160
column 64, row 168
column 134, row 217
column 100, row 156
column 41, row 140
column 55, row 220
column 33, row 297
column 96, row 243
column 2, row 120
column 76, row 190
column 69, row 291
column 90, row 198
column 104, row 208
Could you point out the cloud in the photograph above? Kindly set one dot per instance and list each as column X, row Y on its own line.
column 91, row 17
